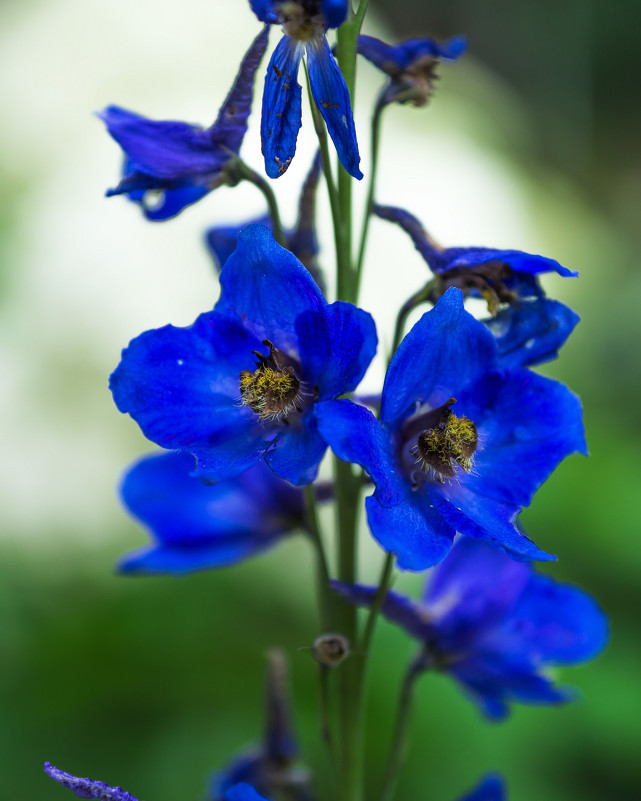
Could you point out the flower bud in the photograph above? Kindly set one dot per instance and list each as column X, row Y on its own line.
column 331, row 649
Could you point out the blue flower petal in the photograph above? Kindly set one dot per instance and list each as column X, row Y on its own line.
column 181, row 384
column 87, row 788
column 490, row 788
column 281, row 115
column 354, row 434
column 171, row 202
column 520, row 262
column 268, row 288
column 336, row 344
column 552, row 624
column 298, row 453
column 395, row 59
column 243, row 792
column 482, row 518
column 221, row 239
column 332, row 98
column 471, row 591
column 531, row 332
column 527, row 425
column 397, row 608
column 265, row 10
column 413, row 530
column 334, row 12
column 446, row 350
column 233, row 453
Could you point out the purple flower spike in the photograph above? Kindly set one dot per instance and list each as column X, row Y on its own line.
column 86, row 788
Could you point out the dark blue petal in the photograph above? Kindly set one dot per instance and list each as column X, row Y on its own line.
column 527, row 424
column 298, row 452
column 231, row 124
column 397, row 608
column 243, row 792
column 471, row 591
column 233, row 453
column 552, row 624
column 221, row 239
column 171, row 202
column 485, row 519
column 281, row 115
column 531, row 332
column 268, row 288
column 265, row 10
column 166, row 150
column 520, row 262
column 336, row 345
column 444, row 352
column 334, row 12
column 86, row 788
column 197, row 525
column 395, row 59
column 413, row 530
column 332, row 98
column 354, row 434
column 490, row 788
column 181, row 384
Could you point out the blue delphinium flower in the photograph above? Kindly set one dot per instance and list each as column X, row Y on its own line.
column 301, row 240
column 183, row 161
column 437, row 472
column 241, row 383
column 495, row 626
column 490, row 788
column 271, row 767
column 305, row 23
column 410, row 65
column 86, row 788
column 196, row 526
column 532, row 328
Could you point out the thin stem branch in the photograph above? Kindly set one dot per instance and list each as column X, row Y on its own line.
column 245, row 173
column 379, row 599
column 422, row 296
column 397, row 749
column 322, row 570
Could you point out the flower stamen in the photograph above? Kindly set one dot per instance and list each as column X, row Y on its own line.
column 272, row 390
column 449, row 444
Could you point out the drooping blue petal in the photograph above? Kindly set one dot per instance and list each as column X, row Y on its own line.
column 87, row 788
column 531, row 332
column 196, row 525
column 413, row 530
column 334, row 12
column 527, row 425
column 485, row 519
column 281, row 114
column 298, row 452
column 446, row 350
column 354, row 434
column 336, row 344
column 268, row 288
column 221, row 239
column 490, row 788
column 332, row 98
column 243, row 792
column 472, row 591
column 181, row 384
column 397, row 608
column 553, row 624
column 395, row 59
column 170, row 202
column 265, row 10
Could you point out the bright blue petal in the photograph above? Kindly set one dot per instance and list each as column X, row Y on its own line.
column 485, row 519
column 221, row 239
column 527, row 424
column 268, row 288
column 334, row 12
column 397, row 608
column 354, row 434
column 491, row 788
column 332, row 98
column 87, row 788
column 234, row 452
column 395, row 59
column 531, row 332
column 298, row 452
column 336, row 345
column 181, row 384
column 471, row 591
column 552, row 624
column 243, row 792
column 520, row 262
column 281, row 115
column 444, row 352
column 413, row 530
column 171, row 202
column 265, row 10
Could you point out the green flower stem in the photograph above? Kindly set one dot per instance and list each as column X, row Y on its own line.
column 397, row 750
column 369, row 203
column 322, row 570
column 379, row 598
column 245, row 173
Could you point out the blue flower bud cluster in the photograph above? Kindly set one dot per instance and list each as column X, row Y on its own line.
column 248, row 401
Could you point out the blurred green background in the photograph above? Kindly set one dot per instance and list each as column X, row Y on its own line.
column 531, row 142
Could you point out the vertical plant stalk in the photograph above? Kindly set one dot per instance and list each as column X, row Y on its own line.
column 379, row 600
column 322, row 570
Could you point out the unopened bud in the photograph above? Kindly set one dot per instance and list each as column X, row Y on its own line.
column 331, row 649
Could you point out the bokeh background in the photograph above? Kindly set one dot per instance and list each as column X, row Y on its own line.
column 531, row 142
